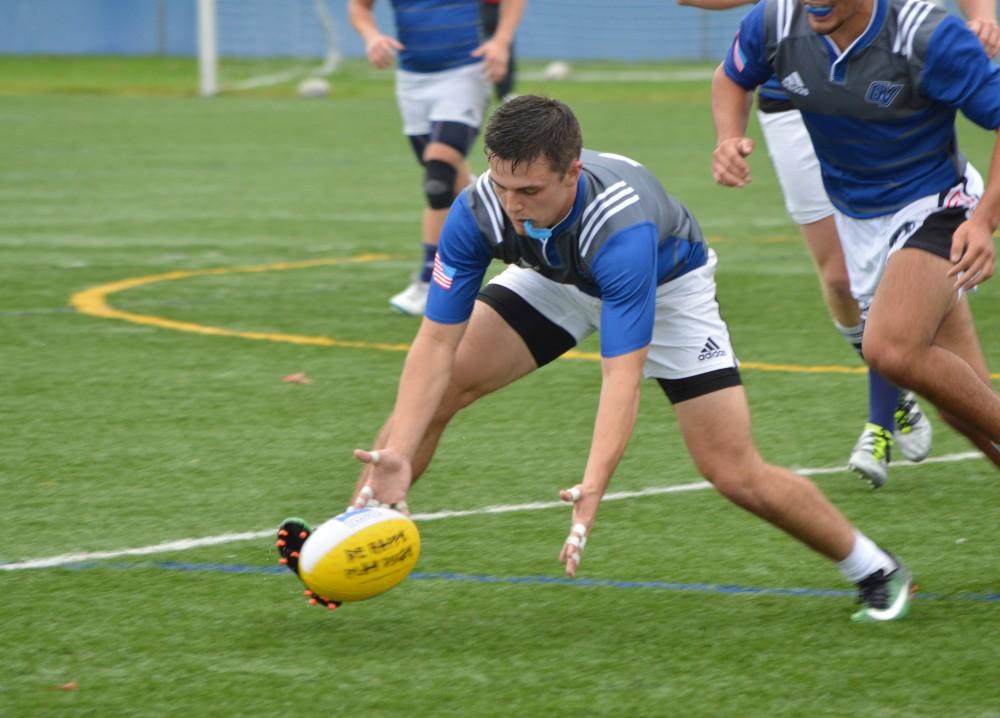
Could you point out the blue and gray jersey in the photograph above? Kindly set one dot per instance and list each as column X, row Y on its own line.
column 881, row 114
column 437, row 34
column 623, row 237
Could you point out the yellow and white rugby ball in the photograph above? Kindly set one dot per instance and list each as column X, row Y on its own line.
column 359, row 554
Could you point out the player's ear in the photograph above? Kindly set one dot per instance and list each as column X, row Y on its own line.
column 573, row 173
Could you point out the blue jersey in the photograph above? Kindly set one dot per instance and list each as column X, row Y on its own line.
column 881, row 114
column 623, row 237
column 437, row 34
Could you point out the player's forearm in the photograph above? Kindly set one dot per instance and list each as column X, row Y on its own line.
column 425, row 378
column 510, row 17
column 715, row 4
column 730, row 106
column 363, row 19
column 616, row 412
column 978, row 9
column 988, row 209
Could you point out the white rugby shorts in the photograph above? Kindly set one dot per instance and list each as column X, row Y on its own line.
column 869, row 243
column 689, row 334
column 796, row 166
column 458, row 95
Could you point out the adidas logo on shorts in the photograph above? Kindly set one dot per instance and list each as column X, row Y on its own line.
column 711, row 350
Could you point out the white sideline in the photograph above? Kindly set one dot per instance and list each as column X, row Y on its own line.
column 188, row 544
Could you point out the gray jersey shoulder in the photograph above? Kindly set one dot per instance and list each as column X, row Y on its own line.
column 618, row 193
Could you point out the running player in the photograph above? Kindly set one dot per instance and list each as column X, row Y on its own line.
column 442, row 87
column 895, row 420
column 878, row 83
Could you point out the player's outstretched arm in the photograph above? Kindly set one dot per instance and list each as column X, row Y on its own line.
column 425, row 377
column 616, row 412
column 380, row 49
column 730, row 112
column 496, row 50
column 973, row 250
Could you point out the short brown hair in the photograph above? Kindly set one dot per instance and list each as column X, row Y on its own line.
column 526, row 128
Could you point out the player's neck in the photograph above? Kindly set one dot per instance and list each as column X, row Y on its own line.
column 854, row 26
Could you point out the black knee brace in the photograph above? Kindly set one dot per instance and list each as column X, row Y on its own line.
column 439, row 183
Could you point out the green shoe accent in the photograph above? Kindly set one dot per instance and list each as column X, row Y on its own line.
column 871, row 455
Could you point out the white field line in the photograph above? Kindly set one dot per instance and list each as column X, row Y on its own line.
column 188, row 544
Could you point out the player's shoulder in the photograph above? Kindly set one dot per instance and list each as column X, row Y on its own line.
column 479, row 202
column 912, row 24
column 619, row 193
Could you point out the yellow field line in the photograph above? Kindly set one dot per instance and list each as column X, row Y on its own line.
column 94, row 302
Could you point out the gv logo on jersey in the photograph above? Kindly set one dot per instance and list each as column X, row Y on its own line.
column 882, row 93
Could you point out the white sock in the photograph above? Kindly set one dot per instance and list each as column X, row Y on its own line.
column 853, row 335
column 865, row 559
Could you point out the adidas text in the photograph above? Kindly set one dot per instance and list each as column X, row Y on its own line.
column 711, row 350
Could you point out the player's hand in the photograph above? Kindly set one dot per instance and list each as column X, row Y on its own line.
column 388, row 480
column 585, row 505
column 381, row 50
column 496, row 56
column 988, row 33
column 729, row 165
column 973, row 254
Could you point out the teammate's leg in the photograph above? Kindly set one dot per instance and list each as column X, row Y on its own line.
column 920, row 337
column 442, row 155
column 797, row 168
column 824, row 245
column 958, row 335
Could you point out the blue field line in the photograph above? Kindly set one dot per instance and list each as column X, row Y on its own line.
column 717, row 588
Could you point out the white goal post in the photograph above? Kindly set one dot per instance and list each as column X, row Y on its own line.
column 243, row 44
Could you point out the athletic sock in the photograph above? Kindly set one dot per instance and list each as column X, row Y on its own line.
column 865, row 559
column 427, row 268
column 882, row 399
column 882, row 395
column 853, row 335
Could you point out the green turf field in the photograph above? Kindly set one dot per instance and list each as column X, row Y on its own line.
column 265, row 234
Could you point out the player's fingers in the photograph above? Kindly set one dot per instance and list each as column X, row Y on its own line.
column 571, row 563
column 571, row 496
column 367, row 457
column 364, row 496
column 959, row 243
column 979, row 270
column 728, row 177
column 572, row 550
column 745, row 146
column 402, row 507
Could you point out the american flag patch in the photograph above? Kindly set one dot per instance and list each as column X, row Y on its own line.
column 443, row 274
column 739, row 59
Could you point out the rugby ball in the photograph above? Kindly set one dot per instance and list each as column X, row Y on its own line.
column 314, row 87
column 557, row 70
column 359, row 554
